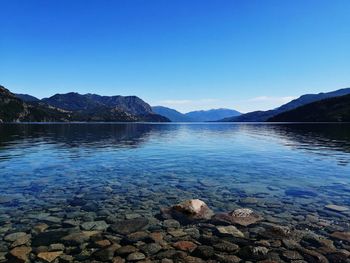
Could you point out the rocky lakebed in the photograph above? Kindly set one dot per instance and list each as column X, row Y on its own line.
column 257, row 230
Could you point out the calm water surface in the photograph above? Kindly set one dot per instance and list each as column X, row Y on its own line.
column 163, row 162
column 71, row 175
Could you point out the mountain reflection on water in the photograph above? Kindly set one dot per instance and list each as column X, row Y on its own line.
column 312, row 137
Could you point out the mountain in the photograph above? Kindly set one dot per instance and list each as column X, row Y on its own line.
column 335, row 109
column 109, row 108
column 260, row 116
column 74, row 107
column 171, row 114
column 13, row 109
column 26, row 97
column 211, row 115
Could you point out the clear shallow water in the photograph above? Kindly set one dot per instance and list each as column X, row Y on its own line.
column 292, row 170
column 194, row 160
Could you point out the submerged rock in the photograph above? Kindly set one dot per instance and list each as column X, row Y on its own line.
column 19, row 254
column 14, row 236
column 230, row 230
column 193, row 209
column 49, row 256
column 78, row 238
column 185, row 245
column 337, row 208
column 242, row 216
column 129, row 226
column 95, row 225
column 136, row 256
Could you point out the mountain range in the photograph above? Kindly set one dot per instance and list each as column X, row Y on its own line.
column 195, row 116
column 261, row 116
column 74, row 107
column 323, row 107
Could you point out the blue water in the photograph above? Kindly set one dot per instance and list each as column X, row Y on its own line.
column 142, row 167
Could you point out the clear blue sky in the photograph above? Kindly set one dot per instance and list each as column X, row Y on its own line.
column 186, row 54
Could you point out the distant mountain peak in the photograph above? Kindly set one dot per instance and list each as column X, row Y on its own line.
column 212, row 114
column 195, row 116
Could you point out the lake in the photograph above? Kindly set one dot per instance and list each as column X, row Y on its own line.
column 61, row 176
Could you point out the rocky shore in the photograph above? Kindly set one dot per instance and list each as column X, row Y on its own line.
column 185, row 232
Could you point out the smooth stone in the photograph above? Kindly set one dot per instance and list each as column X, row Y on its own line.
column 49, row 256
column 102, row 243
column 241, row 216
column 272, row 230
column 185, row 246
column 56, row 247
column 171, row 223
column 177, row 233
column 138, row 236
column 129, row 226
column 151, row 249
column 65, row 258
column 14, row 236
column 337, row 208
column 20, row 254
column 230, row 230
column 132, row 216
column 21, row 241
column 52, row 220
column 157, row 236
column 226, row 247
column 193, row 232
column 248, row 200
column 136, row 256
column 95, row 225
column 79, row 237
column 41, row 227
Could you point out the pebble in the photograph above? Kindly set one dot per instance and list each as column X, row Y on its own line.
column 185, row 246
column 129, row 226
column 230, row 230
column 136, row 256
column 49, row 256
column 14, row 236
column 95, row 225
